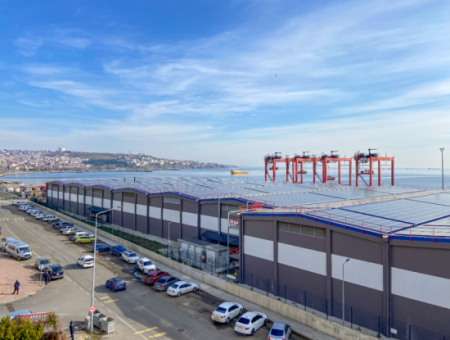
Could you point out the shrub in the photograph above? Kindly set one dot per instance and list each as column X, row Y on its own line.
column 9, row 330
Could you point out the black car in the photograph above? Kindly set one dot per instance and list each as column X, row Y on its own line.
column 55, row 271
column 164, row 282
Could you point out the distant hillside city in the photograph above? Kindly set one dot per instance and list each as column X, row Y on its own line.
column 64, row 160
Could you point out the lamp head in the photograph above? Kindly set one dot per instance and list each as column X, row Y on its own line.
column 442, row 149
column 347, row 260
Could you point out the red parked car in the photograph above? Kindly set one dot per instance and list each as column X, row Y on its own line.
column 154, row 276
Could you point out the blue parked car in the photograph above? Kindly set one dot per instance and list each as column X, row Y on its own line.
column 117, row 250
column 116, row 284
column 101, row 247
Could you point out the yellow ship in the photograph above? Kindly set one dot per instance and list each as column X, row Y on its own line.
column 237, row 172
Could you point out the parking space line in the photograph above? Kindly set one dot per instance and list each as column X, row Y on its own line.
column 110, row 301
column 68, row 279
column 146, row 330
column 105, row 297
column 157, row 335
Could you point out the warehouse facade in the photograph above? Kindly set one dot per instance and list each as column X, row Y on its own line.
column 397, row 280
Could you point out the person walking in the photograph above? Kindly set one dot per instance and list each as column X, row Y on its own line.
column 16, row 287
column 71, row 329
column 46, row 277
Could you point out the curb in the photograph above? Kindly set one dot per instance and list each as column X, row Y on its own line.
column 22, row 297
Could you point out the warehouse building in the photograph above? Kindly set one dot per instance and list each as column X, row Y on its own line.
column 297, row 239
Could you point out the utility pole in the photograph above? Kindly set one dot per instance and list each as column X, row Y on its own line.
column 93, row 267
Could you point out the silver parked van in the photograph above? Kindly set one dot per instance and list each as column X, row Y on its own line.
column 20, row 251
column 6, row 240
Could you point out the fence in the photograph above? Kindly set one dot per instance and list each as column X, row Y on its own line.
column 356, row 318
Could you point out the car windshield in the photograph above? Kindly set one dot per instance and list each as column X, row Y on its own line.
column 277, row 332
column 175, row 285
column 119, row 282
column 161, row 281
column 57, row 269
column 221, row 310
column 244, row 321
column 45, row 261
column 89, row 259
column 132, row 255
column 120, row 247
column 24, row 250
column 148, row 263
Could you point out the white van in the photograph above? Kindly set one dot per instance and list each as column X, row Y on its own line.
column 20, row 251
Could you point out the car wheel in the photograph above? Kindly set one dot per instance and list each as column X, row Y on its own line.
column 241, row 311
column 195, row 289
column 179, row 294
column 92, row 241
column 253, row 331
column 113, row 290
column 265, row 322
column 228, row 320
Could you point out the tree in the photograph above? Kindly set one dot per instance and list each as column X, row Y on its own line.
column 9, row 330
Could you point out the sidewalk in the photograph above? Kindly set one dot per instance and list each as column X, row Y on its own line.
column 298, row 327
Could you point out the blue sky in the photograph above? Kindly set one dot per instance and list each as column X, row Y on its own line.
column 227, row 81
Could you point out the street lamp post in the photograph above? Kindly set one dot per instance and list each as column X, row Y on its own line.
column 343, row 291
column 442, row 157
column 93, row 267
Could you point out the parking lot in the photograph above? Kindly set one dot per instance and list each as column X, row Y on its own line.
column 139, row 311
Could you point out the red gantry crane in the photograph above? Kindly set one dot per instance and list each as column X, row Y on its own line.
column 362, row 159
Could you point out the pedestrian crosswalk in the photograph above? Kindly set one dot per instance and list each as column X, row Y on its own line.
column 12, row 219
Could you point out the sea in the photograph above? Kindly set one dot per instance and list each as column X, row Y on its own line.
column 426, row 178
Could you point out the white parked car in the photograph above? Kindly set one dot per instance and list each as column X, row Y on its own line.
column 250, row 322
column 40, row 216
column 68, row 231
column 51, row 218
column 130, row 256
column 226, row 312
column 86, row 261
column 145, row 265
column 181, row 287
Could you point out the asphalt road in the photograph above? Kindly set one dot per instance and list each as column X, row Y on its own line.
column 139, row 312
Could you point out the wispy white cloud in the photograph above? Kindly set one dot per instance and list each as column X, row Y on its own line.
column 28, row 46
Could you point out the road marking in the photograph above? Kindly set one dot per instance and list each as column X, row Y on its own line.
column 130, row 326
column 146, row 330
column 110, row 301
column 157, row 335
column 105, row 297
column 68, row 279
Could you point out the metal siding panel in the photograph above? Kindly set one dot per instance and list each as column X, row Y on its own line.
column 88, row 200
column 258, row 247
column 208, row 222
column 302, row 258
column 421, row 287
column 67, row 196
column 97, row 202
column 128, row 207
column 61, row 196
column 81, row 199
column 128, row 220
column 190, row 219
column 155, row 212
column 141, row 210
column 141, row 224
column 171, row 215
column 117, row 204
column 366, row 274
column 106, row 203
